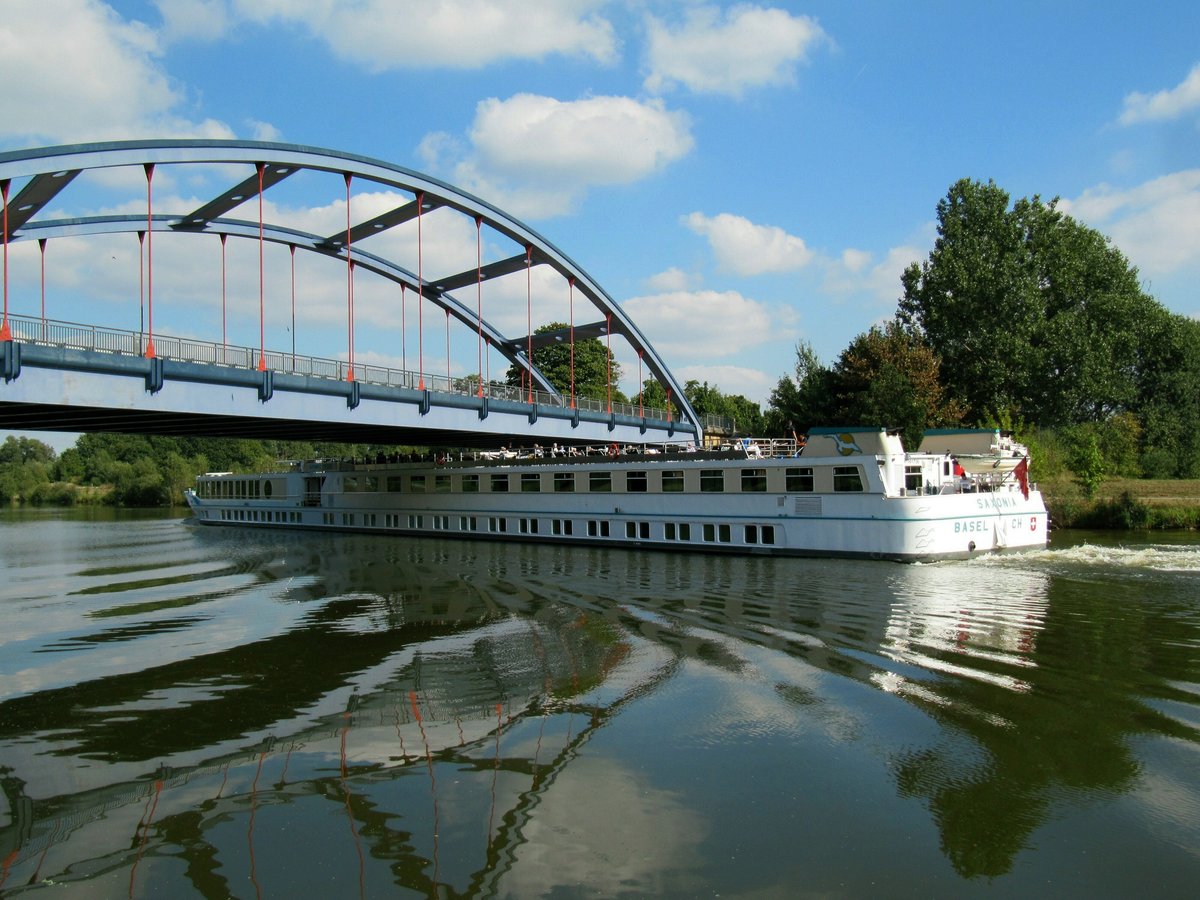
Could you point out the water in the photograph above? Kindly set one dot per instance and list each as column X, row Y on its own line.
column 228, row 712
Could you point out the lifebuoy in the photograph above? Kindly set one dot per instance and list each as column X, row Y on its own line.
column 613, row 450
column 1033, row 523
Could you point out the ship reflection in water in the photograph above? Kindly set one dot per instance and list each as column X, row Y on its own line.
column 252, row 714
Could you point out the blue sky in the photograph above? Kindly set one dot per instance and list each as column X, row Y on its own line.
column 739, row 176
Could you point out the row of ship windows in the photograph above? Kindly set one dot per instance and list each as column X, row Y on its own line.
column 796, row 480
column 708, row 532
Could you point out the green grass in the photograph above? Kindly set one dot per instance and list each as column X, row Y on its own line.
column 1124, row 504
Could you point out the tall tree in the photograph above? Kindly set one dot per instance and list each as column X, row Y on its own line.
column 1169, row 396
column 1032, row 314
column 889, row 377
column 804, row 399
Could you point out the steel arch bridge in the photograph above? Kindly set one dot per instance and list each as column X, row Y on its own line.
column 182, row 385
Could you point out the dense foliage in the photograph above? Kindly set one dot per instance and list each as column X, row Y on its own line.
column 1039, row 319
column 138, row 470
column 590, row 367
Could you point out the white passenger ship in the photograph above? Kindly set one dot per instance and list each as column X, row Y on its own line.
column 843, row 492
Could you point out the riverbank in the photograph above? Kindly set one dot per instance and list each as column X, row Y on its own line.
column 1125, row 504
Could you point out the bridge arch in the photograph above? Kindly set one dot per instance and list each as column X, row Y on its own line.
column 47, row 172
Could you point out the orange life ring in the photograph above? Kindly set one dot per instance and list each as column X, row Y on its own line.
column 613, row 450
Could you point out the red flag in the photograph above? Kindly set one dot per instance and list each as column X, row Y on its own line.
column 1022, row 473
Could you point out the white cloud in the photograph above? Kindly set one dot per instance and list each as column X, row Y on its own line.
column 748, row 249
column 384, row 35
column 1153, row 223
column 692, row 324
column 56, row 53
column 1163, row 105
column 748, row 47
column 753, row 384
column 196, row 20
column 672, row 279
column 537, row 156
column 605, row 140
column 857, row 272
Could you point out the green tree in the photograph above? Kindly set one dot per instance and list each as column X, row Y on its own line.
column 1169, row 396
column 889, row 377
column 1029, row 311
column 708, row 400
column 595, row 370
column 803, row 400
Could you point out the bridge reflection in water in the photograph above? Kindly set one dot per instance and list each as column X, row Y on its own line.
column 299, row 715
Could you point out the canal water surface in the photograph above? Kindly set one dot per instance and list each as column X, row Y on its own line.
column 235, row 712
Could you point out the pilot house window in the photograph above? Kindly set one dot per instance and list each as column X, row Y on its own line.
column 847, row 479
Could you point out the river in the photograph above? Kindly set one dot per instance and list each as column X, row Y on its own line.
column 217, row 712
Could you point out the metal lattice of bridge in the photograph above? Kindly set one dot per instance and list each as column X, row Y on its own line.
column 371, row 232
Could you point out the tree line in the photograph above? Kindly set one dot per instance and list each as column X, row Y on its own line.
column 1021, row 318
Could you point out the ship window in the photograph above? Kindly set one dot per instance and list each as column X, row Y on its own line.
column 631, row 529
column 500, row 483
column 635, row 482
column 723, row 534
column 466, row 523
column 712, row 480
column 597, row 529
column 913, row 478
column 564, row 482
column 600, row 481
column 710, row 532
column 677, row 531
column 672, row 481
column 561, row 526
column 416, row 484
column 529, row 526
column 497, row 524
column 470, row 485
column 531, row 482
column 768, row 534
column 754, row 480
column 267, row 488
column 395, row 484
column 847, row 478
column 751, row 534
column 441, row 484
column 799, row 481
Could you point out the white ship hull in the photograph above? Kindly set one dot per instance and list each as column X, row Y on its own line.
column 885, row 505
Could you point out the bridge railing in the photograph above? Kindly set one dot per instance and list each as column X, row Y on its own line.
column 79, row 336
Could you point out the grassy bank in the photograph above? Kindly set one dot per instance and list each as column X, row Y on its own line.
column 1125, row 503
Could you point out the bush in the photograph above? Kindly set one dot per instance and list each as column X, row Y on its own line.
column 54, row 493
column 1088, row 464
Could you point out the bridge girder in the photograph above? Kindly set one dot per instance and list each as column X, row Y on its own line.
column 50, row 170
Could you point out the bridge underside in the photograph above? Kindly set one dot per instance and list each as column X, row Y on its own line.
column 46, row 417
column 58, row 389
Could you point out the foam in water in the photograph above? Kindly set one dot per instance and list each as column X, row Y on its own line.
column 1156, row 557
